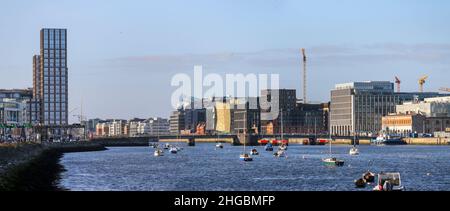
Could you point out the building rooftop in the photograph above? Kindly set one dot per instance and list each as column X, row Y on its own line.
column 367, row 85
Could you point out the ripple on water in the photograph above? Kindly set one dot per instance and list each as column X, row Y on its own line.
column 203, row 168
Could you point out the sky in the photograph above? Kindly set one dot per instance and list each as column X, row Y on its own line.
column 122, row 55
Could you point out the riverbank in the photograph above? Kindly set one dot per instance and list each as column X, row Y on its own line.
column 35, row 167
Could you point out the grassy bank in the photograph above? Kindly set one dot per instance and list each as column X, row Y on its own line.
column 35, row 167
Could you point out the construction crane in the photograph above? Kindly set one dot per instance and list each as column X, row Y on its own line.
column 304, row 76
column 444, row 89
column 422, row 82
column 398, row 82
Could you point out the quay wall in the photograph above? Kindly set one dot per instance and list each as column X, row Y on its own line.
column 427, row 141
column 123, row 141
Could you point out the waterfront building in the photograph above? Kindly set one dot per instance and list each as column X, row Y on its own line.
column 102, row 129
column 51, row 80
column 158, row 126
column 286, row 99
column 403, row 123
column 36, row 76
column 177, row 122
column 358, row 107
column 312, row 118
column 437, row 124
column 134, row 128
column 13, row 116
column 430, row 107
column 298, row 117
column 23, row 95
column 247, row 116
column 117, row 128
column 154, row 127
column 91, row 125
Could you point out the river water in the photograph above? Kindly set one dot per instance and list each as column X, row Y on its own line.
column 202, row 168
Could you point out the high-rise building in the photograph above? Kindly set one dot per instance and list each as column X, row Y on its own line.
column 53, row 78
column 36, row 76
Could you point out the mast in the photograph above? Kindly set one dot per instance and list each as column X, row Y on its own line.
column 330, row 148
column 282, row 126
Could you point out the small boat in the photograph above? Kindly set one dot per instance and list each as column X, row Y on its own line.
column 280, row 153
column 246, row 158
column 158, row 153
column 360, row 183
column 383, row 140
column 166, row 146
column 283, row 147
column 354, row 151
column 219, row 145
column 268, row 147
column 333, row 162
column 369, row 177
column 173, row 150
column 254, row 152
column 389, row 182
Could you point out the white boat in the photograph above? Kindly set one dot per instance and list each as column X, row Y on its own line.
column 354, row 151
column 245, row 157
column 280, row 153
column 219, row 145
column 158, row 153
column 389, row 182
column 173, row 150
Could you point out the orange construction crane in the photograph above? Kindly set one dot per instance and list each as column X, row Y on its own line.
column 398, row 82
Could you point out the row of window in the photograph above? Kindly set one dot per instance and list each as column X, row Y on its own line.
column 55, row 46
column 55, row 73
column 59, row 98
column 55, row 65
column 62, row 121
column 53, row 32
column 57, row 60
column 53, row 52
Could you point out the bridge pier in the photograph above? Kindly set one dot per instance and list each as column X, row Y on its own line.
column 248, row 139
column 191, row 142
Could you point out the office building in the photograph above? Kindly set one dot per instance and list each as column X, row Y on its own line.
column 430, row 107
column 177, row 122
column 358, row 107
column 52, row 85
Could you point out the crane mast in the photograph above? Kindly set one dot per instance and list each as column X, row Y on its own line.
column 304, row 77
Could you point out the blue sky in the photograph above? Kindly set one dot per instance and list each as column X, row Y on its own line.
column 122, row 54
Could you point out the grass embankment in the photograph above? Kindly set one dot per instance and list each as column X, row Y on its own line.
column 35, row 167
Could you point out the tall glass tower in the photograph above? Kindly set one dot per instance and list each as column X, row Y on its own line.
column 53, row 80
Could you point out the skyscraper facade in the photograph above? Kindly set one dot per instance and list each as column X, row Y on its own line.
column 51, row 85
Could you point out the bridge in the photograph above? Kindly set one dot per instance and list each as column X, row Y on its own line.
column 233, row 139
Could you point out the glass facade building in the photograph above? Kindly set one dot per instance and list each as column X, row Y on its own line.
column 51, row 84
